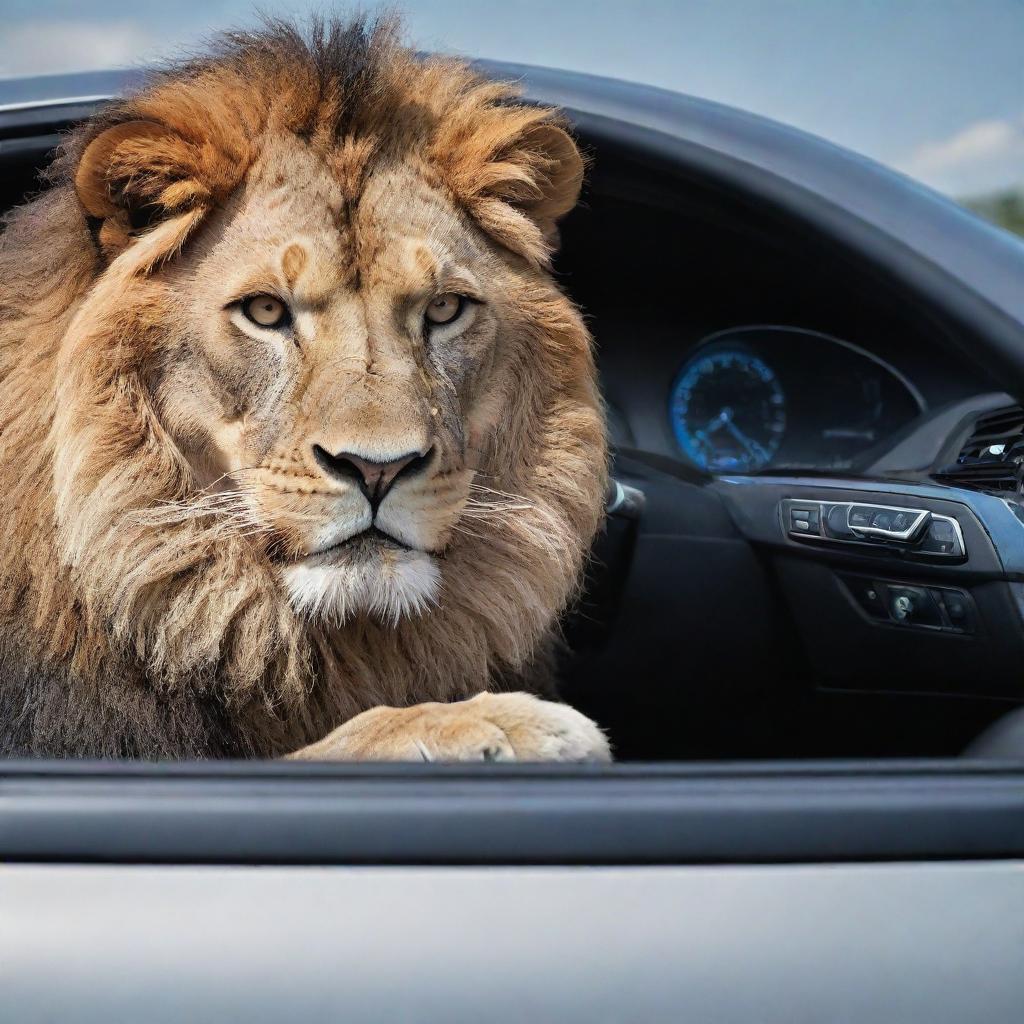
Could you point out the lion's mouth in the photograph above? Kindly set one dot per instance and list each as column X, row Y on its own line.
column 369, row 541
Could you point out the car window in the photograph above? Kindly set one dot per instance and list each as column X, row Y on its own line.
column 599, row 417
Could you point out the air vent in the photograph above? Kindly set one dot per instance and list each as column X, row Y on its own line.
column 992, row 457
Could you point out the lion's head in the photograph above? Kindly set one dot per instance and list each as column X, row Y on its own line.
column 288, row 390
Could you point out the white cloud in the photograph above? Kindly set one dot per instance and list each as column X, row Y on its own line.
column 983, row 157
column 45, row 47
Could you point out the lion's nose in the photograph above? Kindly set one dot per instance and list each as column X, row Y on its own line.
column 374, row 478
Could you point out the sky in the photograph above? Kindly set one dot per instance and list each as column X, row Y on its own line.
column 934, row 88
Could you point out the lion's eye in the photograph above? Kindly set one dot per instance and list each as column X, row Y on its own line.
column 445, row 309
column 266, row 311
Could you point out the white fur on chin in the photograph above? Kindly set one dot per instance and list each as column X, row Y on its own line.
column 405, row 584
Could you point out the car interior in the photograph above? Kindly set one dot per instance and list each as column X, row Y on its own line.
column 811, row 543
column 813, row 571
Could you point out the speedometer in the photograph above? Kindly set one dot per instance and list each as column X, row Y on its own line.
column 728, row 410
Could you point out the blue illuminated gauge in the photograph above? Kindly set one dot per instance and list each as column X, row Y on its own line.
column 728, row 411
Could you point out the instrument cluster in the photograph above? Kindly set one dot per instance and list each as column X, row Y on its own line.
column 771, row 397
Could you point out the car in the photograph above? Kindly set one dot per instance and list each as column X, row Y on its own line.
column 801, row 628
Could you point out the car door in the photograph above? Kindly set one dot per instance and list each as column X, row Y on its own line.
column 882, row 892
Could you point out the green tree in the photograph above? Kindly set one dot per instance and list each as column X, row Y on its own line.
column 1003, row 208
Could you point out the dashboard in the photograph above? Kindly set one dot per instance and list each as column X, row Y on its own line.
column 731, row 343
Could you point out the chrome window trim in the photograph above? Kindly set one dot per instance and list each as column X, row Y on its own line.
column 60, row 101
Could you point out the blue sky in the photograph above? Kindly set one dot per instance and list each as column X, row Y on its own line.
column 933, row 87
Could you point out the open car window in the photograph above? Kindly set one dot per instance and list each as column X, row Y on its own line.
column 736, row 605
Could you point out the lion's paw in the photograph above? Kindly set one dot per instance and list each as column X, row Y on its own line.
column 488, row 727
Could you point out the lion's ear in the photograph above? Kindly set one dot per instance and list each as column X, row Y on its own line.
column 137, row 174
column 518, row 172
column 559, row 175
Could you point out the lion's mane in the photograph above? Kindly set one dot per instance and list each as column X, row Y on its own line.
column 127, row 633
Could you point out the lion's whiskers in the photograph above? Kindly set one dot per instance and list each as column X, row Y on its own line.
column 230, row 511
column 513, row 514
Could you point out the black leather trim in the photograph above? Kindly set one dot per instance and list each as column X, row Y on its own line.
column 283, row 813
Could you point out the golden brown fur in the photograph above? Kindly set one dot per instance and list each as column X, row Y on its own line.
column 156, row 482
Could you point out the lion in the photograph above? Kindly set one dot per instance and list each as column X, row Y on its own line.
column 302, row 449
